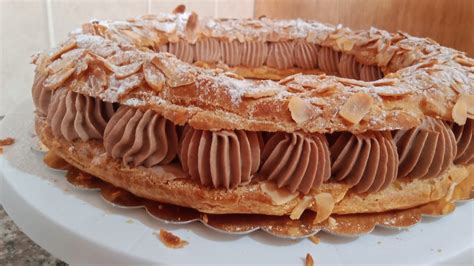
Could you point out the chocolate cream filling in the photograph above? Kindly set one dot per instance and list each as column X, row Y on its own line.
column 369, row 162
column 465, row 142
column 427, row 150
column 296, row 161
column 222, row 159
column 280, row 55
column 140, row 137
column 76, row 116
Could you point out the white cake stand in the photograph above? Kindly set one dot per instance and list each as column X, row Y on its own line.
column 80, row 228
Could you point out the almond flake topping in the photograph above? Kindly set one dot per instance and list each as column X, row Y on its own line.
column 301, row 207
column 300, row 110
column 324, row 206
column 463, row 109
column 279, row 196
column 356, row 107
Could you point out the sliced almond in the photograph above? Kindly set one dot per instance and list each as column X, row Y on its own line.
column 261, row 92
column 300, row 109
column 191, row 26
column 469, row 100
column 233, row 75
column 460, row 111
column 279, row 196
column 464, row 61
column 324, row 206
column 301, row 207
column 56, row 80
column 309, row 260
column 287, row 79
column 153, row 77
column 314, row 239
column 384, row 82
column 69, row 45
column 353, row 82
column 356, row 107
column 122, row 72
column 179, row 9
column 345, row 44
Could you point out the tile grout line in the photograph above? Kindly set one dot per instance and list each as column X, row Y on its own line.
column 49, row 14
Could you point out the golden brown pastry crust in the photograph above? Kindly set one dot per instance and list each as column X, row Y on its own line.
column 115, row 62
column 169, row 184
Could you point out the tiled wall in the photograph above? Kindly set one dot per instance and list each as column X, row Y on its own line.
column 27, row 26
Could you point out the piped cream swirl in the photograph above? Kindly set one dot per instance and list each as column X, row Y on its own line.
column 280, row 55
column 207, row 50
column 296, row 161
column 306, row 54
column 76, row 116
column 231, row 53
column 140, row 137
column 182, row 50
column 221, row 159
column 328, row 60
column 465, row 142
column 349, row 67
column 370, row 73
column 254, row 54
column 41, row 95
column 366, row 161
column 425, row 151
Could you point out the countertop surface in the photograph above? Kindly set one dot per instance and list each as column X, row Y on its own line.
column 16, row 248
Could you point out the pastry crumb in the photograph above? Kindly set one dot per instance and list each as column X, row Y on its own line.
column 379, row 242
column 6, row 142
column 314, row 239
column 129, row 221
column 170, row 240
column 309, row 260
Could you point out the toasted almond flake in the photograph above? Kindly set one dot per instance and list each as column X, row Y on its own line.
column 42, row 62
column 56, row 80
column 459, row 112
column 384, row 82
column 299, row 109
column 353, row 82
column 69, row 45
column 191, row 25
column 179, row 9
column 261, row 92
column 7, row 141
column 205, row 218
column 233, row 75
column 324, row 206
column 122, row 72
column 170, row 240
column 314, row 239
column 302, row 205
column 287, row 79
column 279, row 196
column 153, row 77
column 175, row 78
column 345, row 44
column 464, row 61
column 318, row 101
column 332, row 222
column 469, row 100
column 356, row 107
column 427, row 64
column 309, row 260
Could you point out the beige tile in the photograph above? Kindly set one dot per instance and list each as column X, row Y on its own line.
column 235, row 9
column 205, row 8
column 23, row 31
column 68, row 15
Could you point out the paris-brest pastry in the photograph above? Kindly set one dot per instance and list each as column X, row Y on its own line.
column 259, row 116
